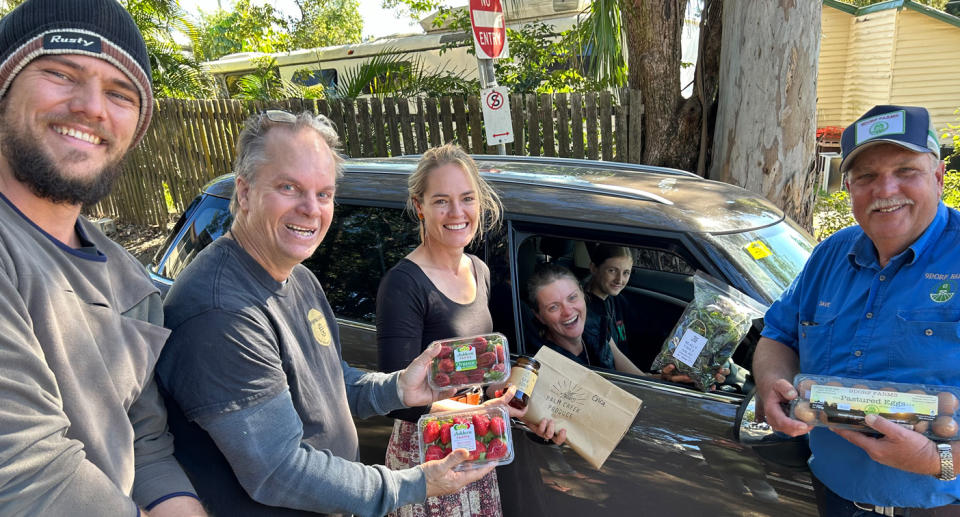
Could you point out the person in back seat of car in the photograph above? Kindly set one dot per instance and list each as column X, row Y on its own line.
column 440, row 292
column 610, row 268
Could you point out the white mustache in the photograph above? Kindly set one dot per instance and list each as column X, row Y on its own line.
column 880, row 204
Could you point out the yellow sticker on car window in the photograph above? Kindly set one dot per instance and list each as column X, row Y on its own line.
column 758, row 250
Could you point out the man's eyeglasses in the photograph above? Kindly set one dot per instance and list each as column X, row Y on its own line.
column 280, row 116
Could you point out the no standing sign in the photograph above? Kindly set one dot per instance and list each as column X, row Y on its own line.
column 489, row 29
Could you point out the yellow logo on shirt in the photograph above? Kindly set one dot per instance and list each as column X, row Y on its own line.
column 318, row 324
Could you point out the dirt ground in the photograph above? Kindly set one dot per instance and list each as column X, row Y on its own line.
column 142, row 241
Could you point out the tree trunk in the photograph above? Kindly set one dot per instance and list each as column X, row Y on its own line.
column 673, row 127
column 764, row 138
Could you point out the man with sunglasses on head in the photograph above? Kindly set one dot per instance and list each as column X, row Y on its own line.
column 82, row 425
column 261, row 401
column 875, row 301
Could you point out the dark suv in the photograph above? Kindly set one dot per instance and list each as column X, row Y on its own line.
column 687, row 452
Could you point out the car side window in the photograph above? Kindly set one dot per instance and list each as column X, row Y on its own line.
column 362, row 244
column 211, row 220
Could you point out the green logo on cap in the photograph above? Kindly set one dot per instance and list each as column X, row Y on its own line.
column 942, row 293
column 879, row 128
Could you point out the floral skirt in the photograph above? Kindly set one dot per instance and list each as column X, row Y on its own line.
column 478, row 499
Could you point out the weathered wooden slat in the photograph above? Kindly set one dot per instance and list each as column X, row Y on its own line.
column 446, row 120
column 476, row 125
column 592, row 144
column 393, row 126
column 606, row 133
column 620, row 114
column 366, row 130
column 563, row 125
column 546, row 122
column 350, row 121
column 420, row 122
column 433, row 121
column 409, row 146
column 379, row 130
column 533, row 126
column 460, row 117
column 576, row 125
column 516, row 116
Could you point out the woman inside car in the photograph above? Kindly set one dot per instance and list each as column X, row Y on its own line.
column 560, row 308
column 610, row 268
column 440, row 292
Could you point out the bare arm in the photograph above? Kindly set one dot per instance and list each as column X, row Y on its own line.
column 774, row 365
column 622, row 363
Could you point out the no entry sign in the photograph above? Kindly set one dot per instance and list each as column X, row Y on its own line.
column 489, row 29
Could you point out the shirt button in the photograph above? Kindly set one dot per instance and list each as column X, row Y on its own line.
column 869, row 315
column 882, row 278
column 928, row 332
column 858, row 353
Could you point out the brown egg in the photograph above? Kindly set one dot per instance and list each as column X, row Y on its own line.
column 944, row 426
column 921, row 426
column 802, row 411
column 834, row 383
column 918, row 392
column 860, row 386
column 947, row 403
column 890, row 389
column 824, row 419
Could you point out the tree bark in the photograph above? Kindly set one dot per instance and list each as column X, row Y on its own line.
column 764, row 139
column 674, row 128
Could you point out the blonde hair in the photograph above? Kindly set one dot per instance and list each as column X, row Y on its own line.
column 491, row 210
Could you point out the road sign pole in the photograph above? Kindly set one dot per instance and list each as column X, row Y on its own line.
column 488, row 79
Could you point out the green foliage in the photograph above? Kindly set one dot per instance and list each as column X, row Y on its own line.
column 245, row 28
column 265, row 83
column 602, row 32
column 831, row 213
column 325, row 22
column 399, row 74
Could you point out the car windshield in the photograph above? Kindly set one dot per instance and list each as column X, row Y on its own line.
column 770, row 257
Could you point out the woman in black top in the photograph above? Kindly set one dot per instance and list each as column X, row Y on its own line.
column 440, row 292
column 610, row 268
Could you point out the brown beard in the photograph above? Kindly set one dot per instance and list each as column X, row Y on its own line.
column 35, row 169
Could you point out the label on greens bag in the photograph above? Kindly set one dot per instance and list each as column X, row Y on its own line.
column 689, row 347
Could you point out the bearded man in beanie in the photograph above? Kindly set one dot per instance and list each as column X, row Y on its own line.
column 82, row 427
column 876, row 301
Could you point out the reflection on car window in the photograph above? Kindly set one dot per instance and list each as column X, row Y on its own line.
column 770, row 257
column 660, row 260
column 213, row 219
column 361, row 245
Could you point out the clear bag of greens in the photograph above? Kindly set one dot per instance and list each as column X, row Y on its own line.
column 711, row 327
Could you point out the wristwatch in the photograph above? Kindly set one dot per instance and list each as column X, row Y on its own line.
column 946, row 462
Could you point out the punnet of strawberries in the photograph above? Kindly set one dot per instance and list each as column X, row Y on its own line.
column 470, row 361
column 484, row 432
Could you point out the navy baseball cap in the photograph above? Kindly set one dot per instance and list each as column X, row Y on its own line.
column 909, row 127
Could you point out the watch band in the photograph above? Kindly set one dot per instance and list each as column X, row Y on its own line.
column 946, row 462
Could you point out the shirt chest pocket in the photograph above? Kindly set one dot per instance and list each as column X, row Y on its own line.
column 816, row 342
column 927, row 338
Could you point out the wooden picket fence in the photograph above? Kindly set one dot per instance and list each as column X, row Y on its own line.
column 192, row 141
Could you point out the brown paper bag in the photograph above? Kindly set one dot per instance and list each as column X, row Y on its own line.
column 595, row 413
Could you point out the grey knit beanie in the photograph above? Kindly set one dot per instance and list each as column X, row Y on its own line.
column 98, row 28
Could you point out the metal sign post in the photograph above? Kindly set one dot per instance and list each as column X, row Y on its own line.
column 490, row 42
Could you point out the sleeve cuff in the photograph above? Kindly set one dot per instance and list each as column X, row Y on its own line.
column 168, row 496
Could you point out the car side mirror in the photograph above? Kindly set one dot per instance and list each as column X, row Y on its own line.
column 770, row 445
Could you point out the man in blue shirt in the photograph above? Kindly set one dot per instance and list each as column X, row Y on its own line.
column 875, row 301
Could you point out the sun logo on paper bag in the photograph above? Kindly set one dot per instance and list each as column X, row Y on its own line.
column 569, row 392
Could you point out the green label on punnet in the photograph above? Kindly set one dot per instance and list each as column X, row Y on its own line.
column 462, row 437
column 878, row 402
column 465, row 358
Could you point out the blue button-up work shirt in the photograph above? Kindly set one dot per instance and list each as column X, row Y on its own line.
column 845, row 315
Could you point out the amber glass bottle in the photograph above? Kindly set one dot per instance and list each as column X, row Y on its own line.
column 523, row 375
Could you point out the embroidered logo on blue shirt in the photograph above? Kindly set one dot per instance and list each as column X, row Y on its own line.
column 942, row 293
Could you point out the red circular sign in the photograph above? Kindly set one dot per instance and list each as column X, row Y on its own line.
column 489, row 29
column 494, row 100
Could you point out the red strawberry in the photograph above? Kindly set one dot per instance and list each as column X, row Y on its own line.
column 479, row 342
column 441, row 379
column 486, row 359
column 475, row 376
column 481, row 424
column 462, row 420
column 475, row 454
column 431, row 431
column 497, row 426
column 500, row 356
column 434, row 453
column 445, row 351
column 499, row 367
column 459, row 378
column 446, row 365
column 496, row 449
column 445, row 433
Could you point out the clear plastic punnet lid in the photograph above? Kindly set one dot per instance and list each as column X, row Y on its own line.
column 484, row 432
column 841, row 402
column 470, row 361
